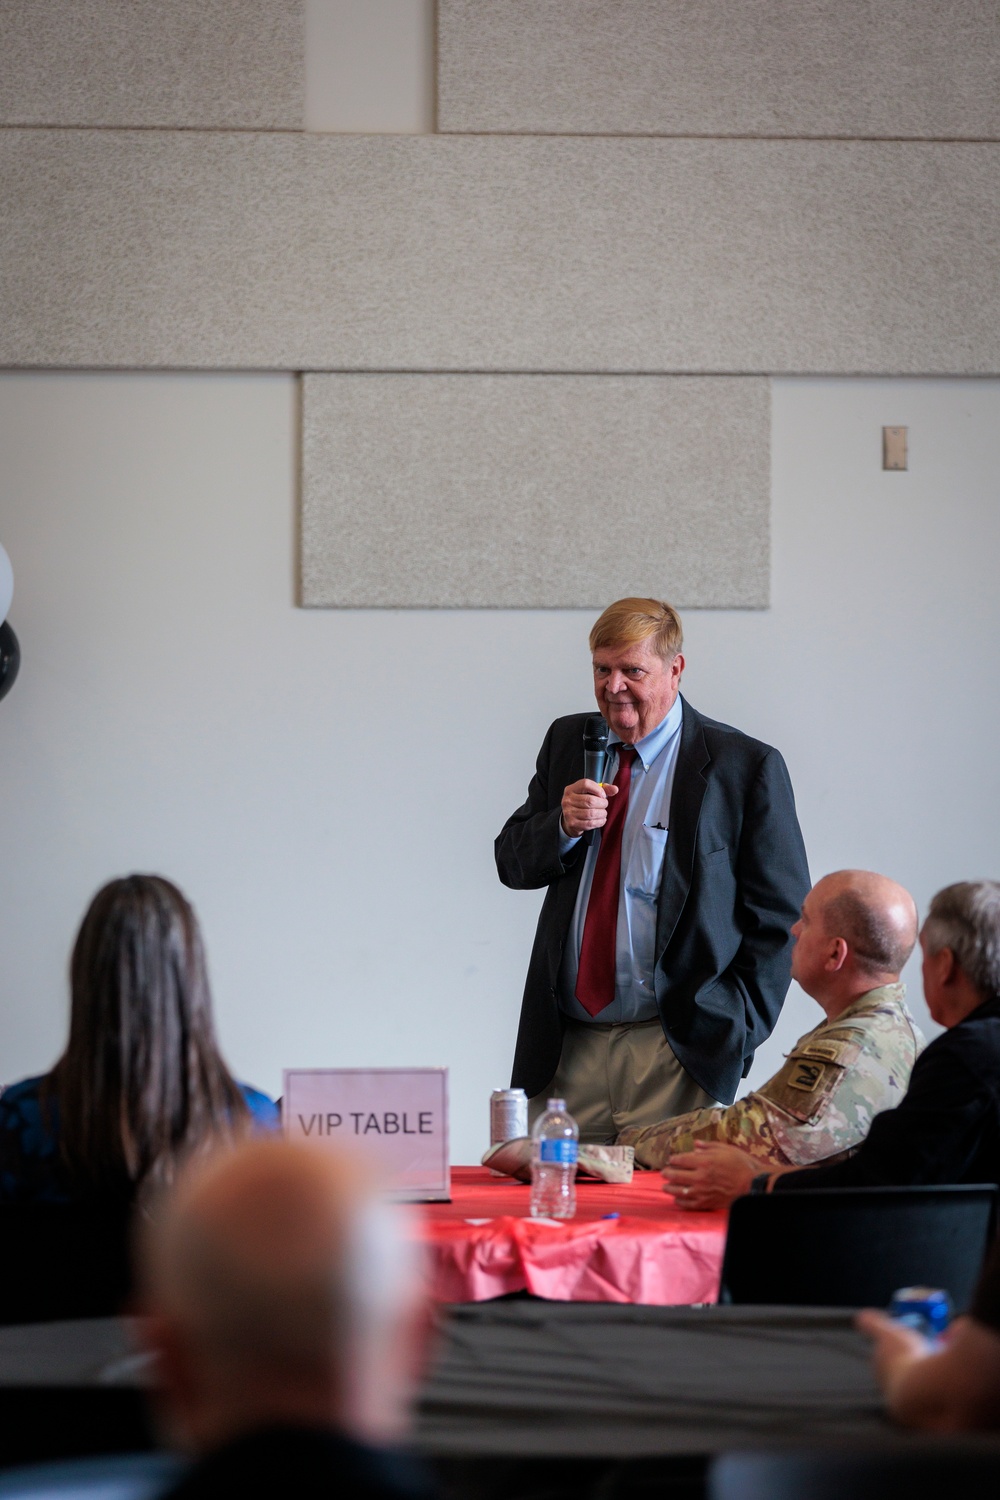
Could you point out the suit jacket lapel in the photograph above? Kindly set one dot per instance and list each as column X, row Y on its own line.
column 688, row 794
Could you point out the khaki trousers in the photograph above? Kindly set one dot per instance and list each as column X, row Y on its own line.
column 616, row 1076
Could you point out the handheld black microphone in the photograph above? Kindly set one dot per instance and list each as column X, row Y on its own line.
column 595, row 748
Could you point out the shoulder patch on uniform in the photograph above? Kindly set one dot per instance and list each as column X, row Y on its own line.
column 807, row 1074
column 812, row 1072
column 843, row 1049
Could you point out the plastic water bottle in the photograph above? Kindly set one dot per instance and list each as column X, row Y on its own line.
column 553, row 1163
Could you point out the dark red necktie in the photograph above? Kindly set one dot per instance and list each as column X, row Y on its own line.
column 595, row 980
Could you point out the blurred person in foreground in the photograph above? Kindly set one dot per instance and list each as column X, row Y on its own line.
column 953, row 1386
column 285, row 1307
column 855, row 933
column 947, row 1126
column 141, row 1084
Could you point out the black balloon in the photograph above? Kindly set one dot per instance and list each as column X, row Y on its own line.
column 10, row 658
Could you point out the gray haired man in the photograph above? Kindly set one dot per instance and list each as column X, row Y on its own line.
column 947, row 1126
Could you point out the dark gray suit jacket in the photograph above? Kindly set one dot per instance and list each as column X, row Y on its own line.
column 734, row 877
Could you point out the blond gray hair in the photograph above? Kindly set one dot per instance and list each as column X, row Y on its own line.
column 629, row 621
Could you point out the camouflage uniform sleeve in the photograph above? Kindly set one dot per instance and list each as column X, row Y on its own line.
column 822, row 1102
column 818, row 1106
column 745, row 1124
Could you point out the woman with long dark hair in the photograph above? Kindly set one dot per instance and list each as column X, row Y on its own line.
column 141, row 1085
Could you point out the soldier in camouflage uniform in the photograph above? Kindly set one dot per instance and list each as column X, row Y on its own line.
column 835, row 1080
column 855, row 934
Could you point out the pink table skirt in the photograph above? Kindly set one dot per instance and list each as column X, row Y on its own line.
column 483, row 1244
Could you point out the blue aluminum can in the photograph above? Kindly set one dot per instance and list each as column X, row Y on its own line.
column 925, row 1308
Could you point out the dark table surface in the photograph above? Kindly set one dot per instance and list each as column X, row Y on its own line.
column 548, row 1378
column 525, row 1400
column 578, row 1378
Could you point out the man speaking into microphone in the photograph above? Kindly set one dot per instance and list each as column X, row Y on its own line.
column 663, row 950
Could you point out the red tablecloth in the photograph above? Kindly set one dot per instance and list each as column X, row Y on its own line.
column 483, row 1244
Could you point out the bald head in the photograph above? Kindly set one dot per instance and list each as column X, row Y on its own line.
column 856, row 931
column 875, row 916
column 282, row 1284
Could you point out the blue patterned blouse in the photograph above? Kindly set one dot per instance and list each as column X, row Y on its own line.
column 31, row 1169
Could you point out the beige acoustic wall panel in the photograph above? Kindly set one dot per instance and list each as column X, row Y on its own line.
column 197, row 249
column 188, row 63
column 534, row 491
column 883, row 68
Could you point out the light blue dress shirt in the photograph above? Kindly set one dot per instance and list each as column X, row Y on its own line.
column 644, row 844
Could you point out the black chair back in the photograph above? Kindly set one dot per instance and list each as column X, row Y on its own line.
column 924, row 1471
column 853, row 1247
column 63, row 1261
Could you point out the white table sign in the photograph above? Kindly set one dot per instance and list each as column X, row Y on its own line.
column 400, row 1114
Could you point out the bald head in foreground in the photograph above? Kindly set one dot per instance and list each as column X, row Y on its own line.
column 854, row 934
column 283, row 1302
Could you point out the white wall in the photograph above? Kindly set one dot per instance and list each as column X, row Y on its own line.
column 327, row 785
column 874, row 670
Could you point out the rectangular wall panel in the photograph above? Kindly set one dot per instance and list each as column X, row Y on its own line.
column 883, row 68
column 187, row 63
column 534, row 491
column 282, row 251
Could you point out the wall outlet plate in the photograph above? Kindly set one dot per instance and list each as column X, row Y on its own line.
column 894, row 447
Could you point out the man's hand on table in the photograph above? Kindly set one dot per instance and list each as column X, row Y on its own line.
column 585, row 806
column 710, row 1176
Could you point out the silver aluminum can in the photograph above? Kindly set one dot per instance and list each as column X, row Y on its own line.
column 508, row 1115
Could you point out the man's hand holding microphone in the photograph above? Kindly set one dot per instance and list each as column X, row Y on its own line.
column 585, row 806
column 585, row 803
